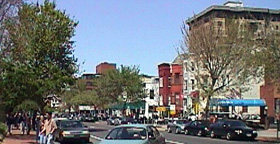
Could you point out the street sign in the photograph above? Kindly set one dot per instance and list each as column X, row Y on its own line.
column 173, row 112
column 160, row 109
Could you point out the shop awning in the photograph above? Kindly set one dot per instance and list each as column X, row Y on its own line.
column 131, row 105
column 241, row 102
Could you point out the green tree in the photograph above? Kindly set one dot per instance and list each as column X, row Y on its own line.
column 38, row 58
column 120, row 86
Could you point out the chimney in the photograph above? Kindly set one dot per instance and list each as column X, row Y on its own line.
column 234, row 3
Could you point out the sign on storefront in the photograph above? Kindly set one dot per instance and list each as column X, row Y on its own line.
column 160, row 109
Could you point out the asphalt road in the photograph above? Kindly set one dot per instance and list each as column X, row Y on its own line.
column 100, row 130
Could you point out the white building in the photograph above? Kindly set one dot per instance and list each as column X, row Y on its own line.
column 152, row 100
column 54, row 100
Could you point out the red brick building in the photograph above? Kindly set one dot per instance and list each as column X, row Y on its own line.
column 103, row 67
column 271, row 94
column 164, row 84
column 171, row 85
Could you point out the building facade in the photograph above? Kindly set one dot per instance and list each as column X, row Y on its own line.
column 171, row 87
column 258, row 19
column 103, row 67
column 152, row 99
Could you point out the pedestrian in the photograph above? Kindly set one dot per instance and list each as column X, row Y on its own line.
column 9, row 122
column 49, row 128
column 22, row 122
column 16, row 121
column 40, row 127
column 28, row 123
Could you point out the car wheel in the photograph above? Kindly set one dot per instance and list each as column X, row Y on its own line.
column 169, row 130
column 186, row 132
column 228, row 136
column 212, row 135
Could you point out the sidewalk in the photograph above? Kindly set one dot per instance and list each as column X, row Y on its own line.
column 269, row 135
column 17, row 138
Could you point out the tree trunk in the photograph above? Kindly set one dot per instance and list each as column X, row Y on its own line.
column 124, row 105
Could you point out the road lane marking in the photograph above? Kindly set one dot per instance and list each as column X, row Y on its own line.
column 100, row 139
column 173, row 142
column 96, row 137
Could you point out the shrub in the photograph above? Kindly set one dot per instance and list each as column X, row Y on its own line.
column 3, row 128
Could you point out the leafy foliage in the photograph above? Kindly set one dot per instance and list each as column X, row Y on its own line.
column 121, row 85
column 37, row 59
column 27, row 105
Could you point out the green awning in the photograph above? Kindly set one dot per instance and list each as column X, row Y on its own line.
column 132, row 105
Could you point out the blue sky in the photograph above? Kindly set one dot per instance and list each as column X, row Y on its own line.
column 134, row 32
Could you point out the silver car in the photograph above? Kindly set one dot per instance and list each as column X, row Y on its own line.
column 134, row 134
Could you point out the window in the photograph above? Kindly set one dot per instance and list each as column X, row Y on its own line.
column 177, row 78
column 186, row 85
column 192, row 84
column 161, row 82
column 151, row 108
column 253, row 26
column 277, row 105
column 192, row 66
column 169, row 81
column 220, row 23
column 152, row 94
column 245, row 109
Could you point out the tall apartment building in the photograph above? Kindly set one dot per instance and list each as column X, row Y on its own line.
column 257, row 18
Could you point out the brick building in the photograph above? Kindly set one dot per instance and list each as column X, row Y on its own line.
column 171, row 86
column 103, row 67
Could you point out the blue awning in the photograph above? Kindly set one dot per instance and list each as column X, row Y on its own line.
column 241, row 102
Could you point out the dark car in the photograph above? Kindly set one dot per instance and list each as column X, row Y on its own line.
column 232, row 129
column 177, row 126
column 70, row 130
column 198, row 127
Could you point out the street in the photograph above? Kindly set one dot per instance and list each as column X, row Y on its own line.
column 99, row 130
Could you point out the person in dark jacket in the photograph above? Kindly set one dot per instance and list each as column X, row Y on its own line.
column 9, row 121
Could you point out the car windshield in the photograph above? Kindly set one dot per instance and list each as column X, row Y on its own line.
column 127, row 133
column 236, row 124
column 71, row 124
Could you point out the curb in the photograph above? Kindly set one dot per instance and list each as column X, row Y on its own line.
column 268, row 139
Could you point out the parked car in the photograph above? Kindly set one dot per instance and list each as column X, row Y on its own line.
column 110, row 121
column 177, row 126
column 70, row 130
column 134, row 134
column 198, row 127
column 232, row 129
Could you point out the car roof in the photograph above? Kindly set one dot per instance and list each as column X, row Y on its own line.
column 134, row 125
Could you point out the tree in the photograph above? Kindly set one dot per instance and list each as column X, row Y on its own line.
column 268, row 54
column 218, row 56
column 120, row 86
column 40, row 59
column 8, row 9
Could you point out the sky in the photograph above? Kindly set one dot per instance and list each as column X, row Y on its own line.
column 144, row 33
